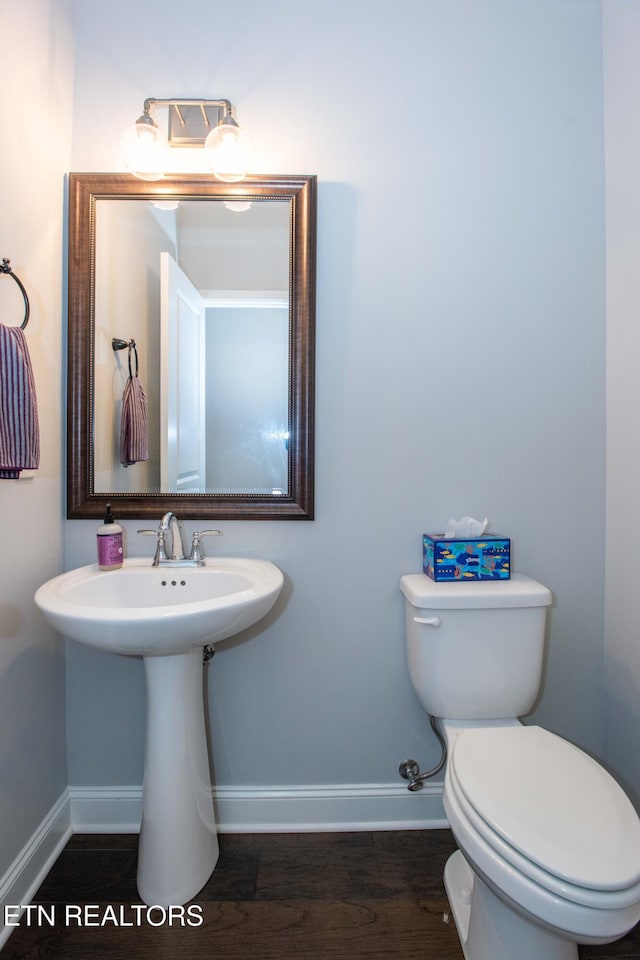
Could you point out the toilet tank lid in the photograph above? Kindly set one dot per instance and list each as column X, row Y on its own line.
column 519, row 591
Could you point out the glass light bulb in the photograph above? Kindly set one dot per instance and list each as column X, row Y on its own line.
column 238, row 206
column 227, row 150
column 166, row 204
column 144, row 150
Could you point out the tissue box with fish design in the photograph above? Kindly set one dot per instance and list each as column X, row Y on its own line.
column 474, row 558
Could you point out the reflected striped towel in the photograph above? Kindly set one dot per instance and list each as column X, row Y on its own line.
column 19, row 431
column 133, row 425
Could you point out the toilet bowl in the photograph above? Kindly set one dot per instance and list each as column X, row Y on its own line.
column 548, row 831
column 549, row 843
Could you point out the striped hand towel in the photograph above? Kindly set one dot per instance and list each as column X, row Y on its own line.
column 19, row 431
column 133, row 425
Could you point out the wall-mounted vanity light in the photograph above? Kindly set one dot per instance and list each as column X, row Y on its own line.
column 189, row 123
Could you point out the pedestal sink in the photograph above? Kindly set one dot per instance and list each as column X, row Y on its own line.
column 167, row 615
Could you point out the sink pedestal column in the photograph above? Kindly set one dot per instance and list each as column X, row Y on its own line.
column 178, row 841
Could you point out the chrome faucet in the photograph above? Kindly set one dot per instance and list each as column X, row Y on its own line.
column 175, row 557
column 171, row 524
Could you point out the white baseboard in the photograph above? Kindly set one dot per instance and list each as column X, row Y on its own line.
column 34, row 861
column 106, row 809
column 378, row 806
column 375, row 806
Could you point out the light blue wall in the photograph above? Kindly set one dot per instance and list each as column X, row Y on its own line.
column 460, row 350
column 36, row 67
column 621, row 649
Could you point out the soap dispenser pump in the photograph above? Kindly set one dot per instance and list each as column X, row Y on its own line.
column 110, row 551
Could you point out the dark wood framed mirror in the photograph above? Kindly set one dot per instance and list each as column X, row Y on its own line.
column 229, row 398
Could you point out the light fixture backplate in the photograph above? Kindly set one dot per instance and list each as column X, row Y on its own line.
column 195, row 128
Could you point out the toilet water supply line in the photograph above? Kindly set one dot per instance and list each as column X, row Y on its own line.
column 409, row 769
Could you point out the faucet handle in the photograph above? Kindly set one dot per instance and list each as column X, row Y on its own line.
column 196, row 550
column 161, row 554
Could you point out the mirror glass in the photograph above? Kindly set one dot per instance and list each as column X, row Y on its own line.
column 196, row 299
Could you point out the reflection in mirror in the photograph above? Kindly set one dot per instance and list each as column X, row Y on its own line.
column 207, row 295
column 214, row 284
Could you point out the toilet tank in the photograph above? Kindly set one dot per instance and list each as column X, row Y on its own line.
column 475, row 650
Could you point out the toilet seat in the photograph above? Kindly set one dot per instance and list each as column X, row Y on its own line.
column 549, row 811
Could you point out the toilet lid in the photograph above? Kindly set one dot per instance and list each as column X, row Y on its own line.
column 550, row 802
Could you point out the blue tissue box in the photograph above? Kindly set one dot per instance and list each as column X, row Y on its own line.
column 476, row 558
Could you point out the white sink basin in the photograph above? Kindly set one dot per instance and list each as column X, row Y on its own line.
column 145, row 610
column 167, row 615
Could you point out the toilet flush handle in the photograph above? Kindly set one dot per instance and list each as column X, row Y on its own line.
column 430, row 621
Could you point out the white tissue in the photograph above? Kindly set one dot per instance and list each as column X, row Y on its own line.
column 465, row 528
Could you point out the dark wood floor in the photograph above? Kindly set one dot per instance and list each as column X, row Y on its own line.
column 332, row 896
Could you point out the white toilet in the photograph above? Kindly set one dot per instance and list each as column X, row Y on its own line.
column 549, row 843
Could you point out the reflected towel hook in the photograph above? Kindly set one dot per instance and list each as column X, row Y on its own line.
column 117, row 344
column 5, row 267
